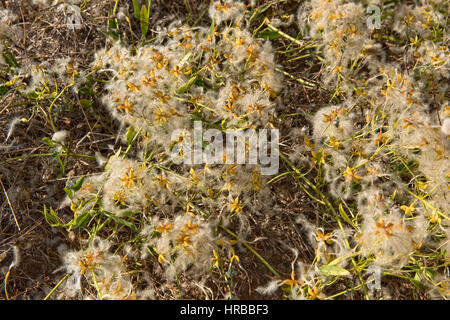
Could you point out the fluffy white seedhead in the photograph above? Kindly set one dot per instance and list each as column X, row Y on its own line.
column 37, row 79
column 16, row 257
column 222, row 11
column 73, row 282
column 390, row 239
column 332, row 122
column 7, row 17
column 12, row 126
column 99, row 266
column 269, row 288
column 445, row 128
column 7, row 28
column 183, row 243
column 60, row 136
column 72, row 16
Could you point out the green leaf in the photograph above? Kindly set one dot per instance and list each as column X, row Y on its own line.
column 88, row 89
column 333, row 270
column 120, row 220
column 130, row 135
column 211, row 28
column 9, row 58
column 50, row 217
column 344, row 215
column 81, row 220
column 185, row 87
column 78, row 184
column 388, row 4
column 149, row 3
column 48, row 142
column 69, row 193
column 259, row 11
column 144, row 21
column 112, row 24
column 86, row 103
column 286, row 289
column 268, row 34
column 3, row 91
column 113, row 29
column 136, row 9
column 417, row 284
column 430, row 272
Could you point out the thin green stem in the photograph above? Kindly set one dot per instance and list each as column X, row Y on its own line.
column 275, row 273
column 57, row 286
